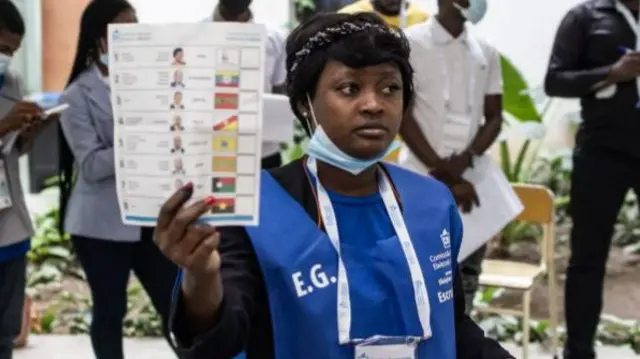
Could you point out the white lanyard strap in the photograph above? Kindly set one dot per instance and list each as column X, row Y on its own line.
column 393, row 210
column 634, row 24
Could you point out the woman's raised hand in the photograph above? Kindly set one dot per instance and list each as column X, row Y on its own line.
column 191, row 245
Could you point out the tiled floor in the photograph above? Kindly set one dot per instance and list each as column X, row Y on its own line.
column 79, row 347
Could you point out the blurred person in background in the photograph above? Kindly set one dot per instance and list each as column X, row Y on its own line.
column 107, row 249
column 457, row 112
column 275, row 71
column 595, row 58
column 20, row 123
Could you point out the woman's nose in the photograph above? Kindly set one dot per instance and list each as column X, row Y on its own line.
column 371, row 102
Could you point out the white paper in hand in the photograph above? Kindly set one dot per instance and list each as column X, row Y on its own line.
column 499, row 205
column 55, row 110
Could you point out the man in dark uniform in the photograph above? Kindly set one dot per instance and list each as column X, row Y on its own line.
column 595, row 58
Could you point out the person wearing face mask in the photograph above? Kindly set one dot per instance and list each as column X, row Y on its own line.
column 20, row 123
column 361, row 274
column 239, row 11
column 457, row 114
column 107, row 249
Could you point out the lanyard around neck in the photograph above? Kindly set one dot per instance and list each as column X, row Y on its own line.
column 417, row 278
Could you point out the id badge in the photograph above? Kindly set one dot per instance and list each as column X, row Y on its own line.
column 5, row 195
column 386, row 351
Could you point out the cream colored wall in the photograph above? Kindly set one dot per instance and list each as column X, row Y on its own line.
column 60, row 26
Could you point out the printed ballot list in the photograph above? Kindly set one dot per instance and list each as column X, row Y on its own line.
column 187, row 104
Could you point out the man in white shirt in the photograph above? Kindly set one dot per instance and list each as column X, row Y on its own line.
column 457, row 112
column 275, row 63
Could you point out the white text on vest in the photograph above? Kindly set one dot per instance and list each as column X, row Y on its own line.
column 317, row 277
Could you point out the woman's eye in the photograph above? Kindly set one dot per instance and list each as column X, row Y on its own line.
column 349, row 90
column 391, row 89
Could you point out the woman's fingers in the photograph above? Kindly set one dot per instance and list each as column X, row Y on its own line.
column 205, row 258
column 171, row 207
column 192, row 238
column 187, row 216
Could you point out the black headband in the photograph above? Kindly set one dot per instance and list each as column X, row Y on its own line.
column 328, row 35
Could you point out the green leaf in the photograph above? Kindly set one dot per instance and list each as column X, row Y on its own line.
column 516, row 100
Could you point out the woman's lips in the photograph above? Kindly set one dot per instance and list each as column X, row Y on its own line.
column 373, row 131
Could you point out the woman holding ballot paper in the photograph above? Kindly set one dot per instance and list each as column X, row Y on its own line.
column 107, row 250
column 352, row 258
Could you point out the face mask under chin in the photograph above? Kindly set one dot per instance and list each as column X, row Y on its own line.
column 322, row 148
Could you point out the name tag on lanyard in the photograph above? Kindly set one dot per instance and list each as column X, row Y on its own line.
column 391, row 351
column 634, row 24
column 5, row 195
column 375, row 346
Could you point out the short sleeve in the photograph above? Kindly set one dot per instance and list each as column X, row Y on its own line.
column 494, row 79
column 276, row 58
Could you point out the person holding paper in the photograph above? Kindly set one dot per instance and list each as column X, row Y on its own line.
column 275, row 72
column 20, row 123
column 457, row 114
column 595, row 58
column 275, row 290
column 107, row 249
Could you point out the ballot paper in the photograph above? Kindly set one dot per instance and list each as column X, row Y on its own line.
column 499, row 205
column 188, row 107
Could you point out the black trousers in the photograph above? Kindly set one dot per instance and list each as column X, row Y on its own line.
column 107, row 265
column 599, row 183
column 271, row 161
column 13, row 275
column 471, row 268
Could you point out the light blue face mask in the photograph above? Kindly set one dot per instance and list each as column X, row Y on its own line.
column 5, row 61
column 104, row 58
column 323, row 149
column 475, row 12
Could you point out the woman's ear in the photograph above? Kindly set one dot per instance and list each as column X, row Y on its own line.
column 303, row 108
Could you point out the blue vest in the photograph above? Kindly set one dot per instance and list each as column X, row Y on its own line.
column 299, row 264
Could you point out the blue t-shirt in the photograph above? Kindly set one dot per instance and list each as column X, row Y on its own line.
column 364, row 237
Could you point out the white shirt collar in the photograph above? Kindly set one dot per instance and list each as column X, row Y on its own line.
column 441, row 36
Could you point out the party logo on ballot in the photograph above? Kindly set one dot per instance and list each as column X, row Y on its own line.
column 229, row 124
column 229, row 79
column 226, row 101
